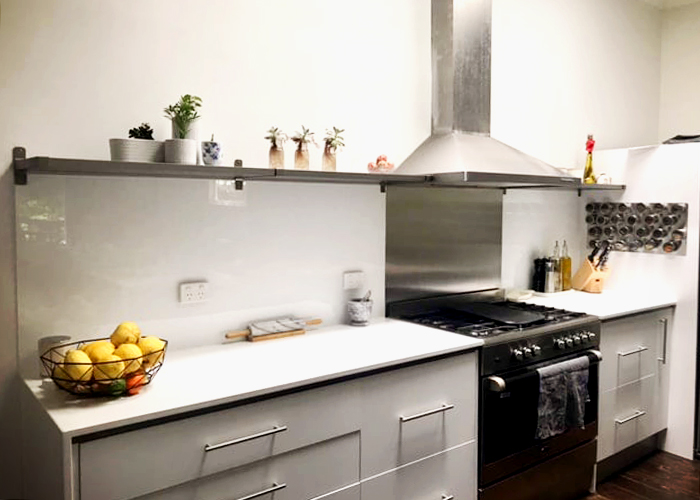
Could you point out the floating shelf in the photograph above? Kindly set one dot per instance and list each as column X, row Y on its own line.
column 68, row 166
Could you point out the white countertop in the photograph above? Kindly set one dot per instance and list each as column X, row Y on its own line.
column 607, row 305
column 213, row 375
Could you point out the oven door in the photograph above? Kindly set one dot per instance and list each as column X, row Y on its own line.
column 509, row 421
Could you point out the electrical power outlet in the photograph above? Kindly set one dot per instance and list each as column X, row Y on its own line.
column 194, row 292
column 352, row 280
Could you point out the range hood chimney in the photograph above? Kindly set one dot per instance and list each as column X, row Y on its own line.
column 460, row 150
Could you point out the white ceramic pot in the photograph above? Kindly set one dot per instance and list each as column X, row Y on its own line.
column 193, row 134
column 181, row 151
column 139, row 150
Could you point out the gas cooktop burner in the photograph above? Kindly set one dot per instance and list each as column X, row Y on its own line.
column 469, row 323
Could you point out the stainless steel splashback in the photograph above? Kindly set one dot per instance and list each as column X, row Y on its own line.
column 442, row 241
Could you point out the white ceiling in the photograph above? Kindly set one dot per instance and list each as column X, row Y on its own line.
column 669, row 4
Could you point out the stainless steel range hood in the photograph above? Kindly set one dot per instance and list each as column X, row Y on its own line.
column 460, row 150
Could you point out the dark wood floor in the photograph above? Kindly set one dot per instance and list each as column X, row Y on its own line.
column 660, row 477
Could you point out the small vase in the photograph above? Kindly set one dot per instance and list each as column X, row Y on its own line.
column 181, row 151
column 301, row 157
column 276, row 157
column 328, row 160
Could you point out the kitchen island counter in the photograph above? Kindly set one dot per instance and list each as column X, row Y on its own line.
column 209, row 376
column 609, row 304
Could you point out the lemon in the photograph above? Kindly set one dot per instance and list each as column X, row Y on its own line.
column 150, row 347
column 132, row 353
column 60, row 376
column 126, row 333
column 81, row 371
column 98, row 349
column 108, row 366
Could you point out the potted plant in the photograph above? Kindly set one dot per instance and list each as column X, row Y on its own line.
column 333, row 141
column 301, row 155
column 139, row 147
column 183, row 147
column 277, row 139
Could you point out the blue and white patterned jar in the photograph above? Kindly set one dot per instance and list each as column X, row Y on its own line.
column 211, row 153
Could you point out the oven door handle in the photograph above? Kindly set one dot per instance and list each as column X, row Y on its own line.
column 498, row 384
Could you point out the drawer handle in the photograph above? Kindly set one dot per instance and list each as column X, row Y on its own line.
column 639, row 349
column 274, row 430
column 664, row 321
column 637, row 414
column 442, row 409
column 448, row 497
column 272, row 489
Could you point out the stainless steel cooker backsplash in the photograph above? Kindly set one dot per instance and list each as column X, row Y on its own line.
column 442, row 241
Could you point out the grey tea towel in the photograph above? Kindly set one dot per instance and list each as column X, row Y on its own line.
column 563, row 396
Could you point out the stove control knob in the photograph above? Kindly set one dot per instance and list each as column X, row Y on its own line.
column 591, row 336
column 584, row 336
column 536, row 350
column 518, row 354
column 569, row 342
column 559, row 344
column 577, row 339
column 528, row 352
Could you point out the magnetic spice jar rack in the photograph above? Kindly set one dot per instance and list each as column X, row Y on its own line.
column 638, row 227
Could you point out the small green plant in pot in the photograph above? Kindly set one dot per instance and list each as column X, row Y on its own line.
column 332, row 142
column 139, row 147
column 301, row 155
column 277, row 139
column 183, row 147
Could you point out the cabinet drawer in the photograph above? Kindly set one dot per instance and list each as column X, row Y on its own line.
column 176, row 452
column 450, row 474
column 297, row 475
column 632, row 347
column 627, row 415
column 414, row 412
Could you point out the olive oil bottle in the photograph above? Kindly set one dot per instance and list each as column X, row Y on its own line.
column 565, row 267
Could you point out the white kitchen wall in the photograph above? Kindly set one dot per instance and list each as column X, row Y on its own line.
column 664, row 174
column 532, row 221
column 94, row 252
column 562, row 70
column 680, row 72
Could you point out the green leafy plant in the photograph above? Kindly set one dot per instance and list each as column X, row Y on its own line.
column 183, row 113
column 143, row 131
column 333, row 138
column 303, row 137
column 276, row 137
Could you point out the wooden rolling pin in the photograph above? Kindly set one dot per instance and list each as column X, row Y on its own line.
column 275, row 329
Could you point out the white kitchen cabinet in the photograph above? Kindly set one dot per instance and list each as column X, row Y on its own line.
column 418, row 411
column 634, row 386
column 298, row 475
column 320, row 443
column 195, row 447
column 450, row 474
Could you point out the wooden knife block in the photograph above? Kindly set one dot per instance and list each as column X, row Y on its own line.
column 589, row 279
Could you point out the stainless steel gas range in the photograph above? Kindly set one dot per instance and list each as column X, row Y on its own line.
column 521, row 341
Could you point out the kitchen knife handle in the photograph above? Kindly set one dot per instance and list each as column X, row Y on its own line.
column 664, row 321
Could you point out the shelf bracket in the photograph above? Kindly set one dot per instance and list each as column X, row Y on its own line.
column 19, row 153
column 579, row 192
column 382, row 187
column 239, row 183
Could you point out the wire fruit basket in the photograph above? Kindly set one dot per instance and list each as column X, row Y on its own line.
column 114, row 377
